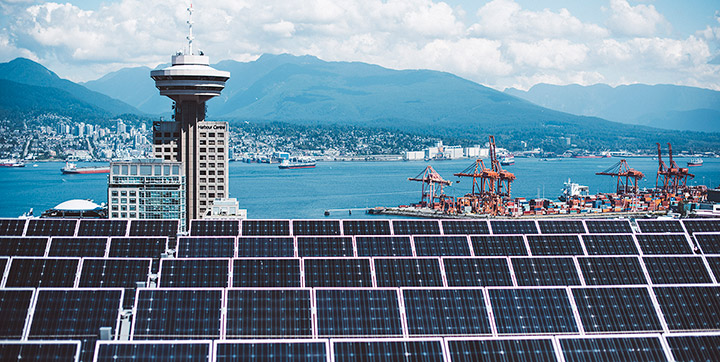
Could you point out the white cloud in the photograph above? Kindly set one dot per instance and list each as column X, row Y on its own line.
column 548, row 54
column 639, row 20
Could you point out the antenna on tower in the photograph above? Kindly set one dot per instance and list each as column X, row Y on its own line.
column 190, row 35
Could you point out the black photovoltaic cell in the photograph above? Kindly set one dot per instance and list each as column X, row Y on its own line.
column 408, row 272
column 664, row 244
column 492, row 350
column 266, row 227
column 447, row 245
column 167, row 228
column 499, row 245
column 513, row 227
column 545, row 271
column 4, row 261
column 608, row 227
column 610, row 244
column 366, row 227
column 383, row 245
column 433, row 312
column 316, row 227
column 178, row 314
column 477, row 272
column 194, row 273
column 714, row 263
column 156, row 351
column 12, row 227
column 358, row 312
column 266, row 273
column 660, row 226
column 137, row 247
column 104, row 273
column 465, row 227
column 324, row 246
column 337, row 273
column 413, row 350
column 416, row 227
column 102, row 228
column 51, row 227
column 271, row 352
column 268, row 314
column 708, row 243
column 694, row 348
column 690, row 308
column 677, row 270
column 215, row 227
column 14, row 306
column 555, row 245
column 646, row 349
column 616, row 270
column 616, row 310
column 532, row 311
column 42, row 272
column 561, row 227
column 702, row 226
column 206, row 247
column 280, row 246
column 81, row 247
column 39, row 351
column 19, row 246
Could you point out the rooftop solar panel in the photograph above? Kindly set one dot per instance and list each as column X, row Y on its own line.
column 168, row 228
column 316, row 227
column 660, row 226
column 499, row 245
column 612, row 270
column 416, row 227
column 266, row 273
column 253, row 313
column 358, row 312
column 61, row 351
column 702, row 226
column 14, row 307
column 677, row 270
column 383, row 246
column 120, row 351
column 532, row 311
column 690, row 308
column 177, row 314
column 309, row 246
column 708, row 243
column 104, row 273
column 477, row 272
column 545, row 271
column 51, row 227
column 12, row 227
column 103, row 228
column 388, row 350
column 337, row 272
column 435, row 312
column 714, row 263
column 404, row 272
column 491, row 350
column 447, row 245
column 555, row 245
column 664, row 244
column 513, row 227
column 266, row 227
column 138, row 247
column 688, row 348
column 610, row 244
column 465, row 227
column 614, row 309
column 42, row 272
column 206, row 247
column 253, row 247
column 215, row 227
column 286, row 351
column 612, row 349
column 87, row 247
column 194, row 273
column 23, row 246
column 561, row 227
column 608, row 226
column 366, row 227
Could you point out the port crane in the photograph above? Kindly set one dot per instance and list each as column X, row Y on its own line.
column 671, row 178
column 505, row 178
column 432, row 187
column 631, row 176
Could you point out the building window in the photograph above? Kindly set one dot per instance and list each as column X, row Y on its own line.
column 115, row 208
column 133, row 208
column 221, row 172
column 123, row 215
column 123, row 207
column 133, row 215
column 114, row 193
column 132, row 193
column 133, row 201
column 211, row 134
column 123, row 201
column 115, row 200
column 114, row 214
column 123, row 193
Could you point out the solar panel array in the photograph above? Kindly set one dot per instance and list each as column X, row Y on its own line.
column 357, row 290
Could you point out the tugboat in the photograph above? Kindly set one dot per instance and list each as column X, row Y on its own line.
column 695, row 162
column 71, row 168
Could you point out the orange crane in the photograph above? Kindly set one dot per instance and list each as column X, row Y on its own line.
column 487, row 176
column 622, row 170
column 505, row 178
column 678, row 175
column 432, row 186
column 662, row 181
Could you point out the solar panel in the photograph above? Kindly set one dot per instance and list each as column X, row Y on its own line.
column 612, row 270
column 268, row 313
column 708, row 243
column 358, row 312
column 616, row 310
column 108, row 273
column 608, row 226
column 138, row 247
column 266, row 227
column 206, row 247
column 465, row 227
column 215, row 227
column 168, row 228
column 51, row 227
column 513, row 227
column 20, row 246
column 325, row 246
column 555, row 245
column 498, row 245
column 383, row 246
column 103, row 228
column 610, row 244
column 87, row 247
column 366, row 227
column 441, row 245
column 404, row 272
column 286, row 351
column 491, row 350
column 677, row 270
column 14, row 307
column 687, row 348
column 544, row 271
column 177, row 314
column 279, row 246
column 690, row 308
column 388, row 350
column 194, row 273
column 120, row 351
column 702, row 226
column 660, row 226
column 714, row 263
column 42, row 272
column 664, row 244
column 561, row 227
column 477, row 272
column 337, row 272
column 432, row 312
column 12, row 227
column 4, row 261
column 532, row 311
column 416, row 227
column 266, row 273
column 612, row 349
column 39, row 351
column 316, row 227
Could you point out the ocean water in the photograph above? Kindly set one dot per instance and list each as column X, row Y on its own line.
column 268, row 192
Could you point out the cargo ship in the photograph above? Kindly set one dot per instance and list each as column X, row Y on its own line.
column 297, row 163
column 11, row 163
column 71, row 168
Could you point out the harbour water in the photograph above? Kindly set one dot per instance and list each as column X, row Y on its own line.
column 268, row 192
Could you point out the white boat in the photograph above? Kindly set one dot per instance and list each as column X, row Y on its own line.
column 573, row 189
column 695, row 162
column 299, row 162
column 11, row 163
column 507, row 160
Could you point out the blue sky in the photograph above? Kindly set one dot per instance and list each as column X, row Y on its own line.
column 498, row 43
